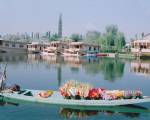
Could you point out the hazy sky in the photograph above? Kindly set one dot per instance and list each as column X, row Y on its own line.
column 131, row 16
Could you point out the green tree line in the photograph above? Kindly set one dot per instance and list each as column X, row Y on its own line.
column 112, row 40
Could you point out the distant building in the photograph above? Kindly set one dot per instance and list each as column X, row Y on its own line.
column 60, row 26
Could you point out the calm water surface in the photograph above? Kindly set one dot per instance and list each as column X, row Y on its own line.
column 42, row 72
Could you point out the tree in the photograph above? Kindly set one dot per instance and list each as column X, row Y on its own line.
column 114, row 39
column 111, row 41
column 111, row 33
column 54, row 37
column 92, row 36
column 76, row 37
column 120, row 41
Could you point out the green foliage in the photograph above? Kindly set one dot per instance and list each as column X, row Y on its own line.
column 92, row 36
column 76, row 37
column 111, row 41
column 120, row 41
column 54, row 37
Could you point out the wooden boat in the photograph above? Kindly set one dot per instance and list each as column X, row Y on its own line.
column 57, row 99
column 48, row 51
column 101, row 54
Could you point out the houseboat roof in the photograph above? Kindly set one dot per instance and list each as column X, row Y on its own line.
column 12, row 41
column 56, row 42
column 37, row 43
column 142, row 41
column 77, row 43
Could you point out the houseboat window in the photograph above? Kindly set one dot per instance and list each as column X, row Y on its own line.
column 35, row 46
column 13, row 45
column 141, row 46
column 94, row 48
column 21, row 46
column 78, row 46
column 89, row 48
column 1, row 42
column 6, row 44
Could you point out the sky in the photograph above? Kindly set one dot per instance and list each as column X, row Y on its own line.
column 131, row 16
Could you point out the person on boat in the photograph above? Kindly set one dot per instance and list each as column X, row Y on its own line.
column 2, row 79
column 3, row 86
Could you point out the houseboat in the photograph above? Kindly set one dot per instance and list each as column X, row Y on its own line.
column 81, row 49
column 74, row 49
column 36, row 47
column 13, row 46
column 141, row 47
column 55, row 48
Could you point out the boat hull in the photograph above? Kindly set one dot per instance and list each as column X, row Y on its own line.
column 57, row 99
column 46, row 53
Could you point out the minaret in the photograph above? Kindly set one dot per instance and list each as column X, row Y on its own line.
column 60, row 26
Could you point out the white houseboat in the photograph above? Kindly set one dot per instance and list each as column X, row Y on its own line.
column 36, row 47
column 55, row 48
column 141, row 47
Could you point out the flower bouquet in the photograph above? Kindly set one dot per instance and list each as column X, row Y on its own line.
column 75, row 90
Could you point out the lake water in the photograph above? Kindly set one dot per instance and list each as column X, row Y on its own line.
column 42, row 72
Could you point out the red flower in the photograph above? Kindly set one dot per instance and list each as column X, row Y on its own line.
column 94, row 93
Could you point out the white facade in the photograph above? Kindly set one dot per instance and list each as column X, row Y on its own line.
column 141, row 46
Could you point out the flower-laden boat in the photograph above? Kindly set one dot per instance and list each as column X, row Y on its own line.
column 78, row 94
column 78, row 90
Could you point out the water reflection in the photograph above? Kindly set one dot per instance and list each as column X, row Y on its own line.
column 15, row 58
column 131, row 111
column 140, row 67
column 111, row 69
column 3, row 103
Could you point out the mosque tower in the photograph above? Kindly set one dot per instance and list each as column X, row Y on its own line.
column 60, row 26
